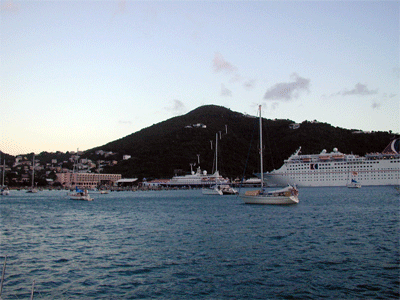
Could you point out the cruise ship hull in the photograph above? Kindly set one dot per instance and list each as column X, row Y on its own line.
column 320, row 180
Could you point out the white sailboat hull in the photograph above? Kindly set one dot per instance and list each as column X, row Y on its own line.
column 278, row 200
column 212, row 191
column 354, row 185
column 79, row 197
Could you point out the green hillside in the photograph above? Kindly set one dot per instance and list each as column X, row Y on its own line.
column 161, row 149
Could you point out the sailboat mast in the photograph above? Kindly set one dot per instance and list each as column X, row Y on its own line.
column 216, row 152
column 261, row 152
column 4, row 170
column 33, row 170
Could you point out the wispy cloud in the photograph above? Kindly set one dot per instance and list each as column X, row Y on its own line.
column 225, row 91
column 384, row 95
column 124, row 122
column 121, row 7
column 249, row 84
column 286, row 91
column 375, row 105
column 274, row 105
column 177, row 108
column 220, row 64
column 9, row 6
column 359, row 89
column 396, row 72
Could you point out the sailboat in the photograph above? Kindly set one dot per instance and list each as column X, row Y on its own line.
column 219, row 188
column 33, row 189
column 4, row 191
column 80, row 195
column 287, row 195
column 354, row 184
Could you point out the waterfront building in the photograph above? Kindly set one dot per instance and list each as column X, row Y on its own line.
column 87, row 180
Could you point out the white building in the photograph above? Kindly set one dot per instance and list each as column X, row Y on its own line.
column 87, row 180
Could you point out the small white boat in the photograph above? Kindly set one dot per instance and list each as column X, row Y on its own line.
column 4, row 192
column 101, row 192
column 80, row 195
column 354, row 184
column 288, row 195
column 228, row 190
column 220, row 189
column 214, row 190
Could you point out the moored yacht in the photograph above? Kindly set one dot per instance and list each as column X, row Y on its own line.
column 197, row 179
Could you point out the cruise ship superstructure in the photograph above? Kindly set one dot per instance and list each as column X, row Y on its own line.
column 338, row 169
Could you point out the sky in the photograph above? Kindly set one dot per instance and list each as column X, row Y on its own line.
column 79, row 74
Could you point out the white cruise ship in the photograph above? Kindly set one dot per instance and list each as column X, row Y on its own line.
column 338, row 169
column 197, row 179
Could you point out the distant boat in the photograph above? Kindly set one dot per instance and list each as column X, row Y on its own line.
column 213, row 190
column 354, row 184
column 397, row 189
column 197, row 179
column 228, row 190
column 102, row 192
column 4, row 192
column 288, row 195
column 33, row 189
column 80, row 195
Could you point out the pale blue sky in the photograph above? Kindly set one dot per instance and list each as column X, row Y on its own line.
column 79, row 74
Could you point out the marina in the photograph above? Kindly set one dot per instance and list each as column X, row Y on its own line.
column 337, row 243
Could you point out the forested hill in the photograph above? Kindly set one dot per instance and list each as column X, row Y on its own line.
column 163, row 149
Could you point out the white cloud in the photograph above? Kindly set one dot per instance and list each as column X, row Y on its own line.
column 375, row 105
column 220, row 64
column 359, row 89
column 286, row 91
column 177, row 108
column 225, row 91
column 249, row 84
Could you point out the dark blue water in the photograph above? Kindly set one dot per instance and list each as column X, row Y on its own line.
column 337, row 243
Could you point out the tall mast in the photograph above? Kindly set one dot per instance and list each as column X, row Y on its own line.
column 261, row 152
column 4, row 170
column 33, row 170
column 2, row 173
column 216, row 152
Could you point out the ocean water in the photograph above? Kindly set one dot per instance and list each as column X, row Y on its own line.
column 337, row 243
